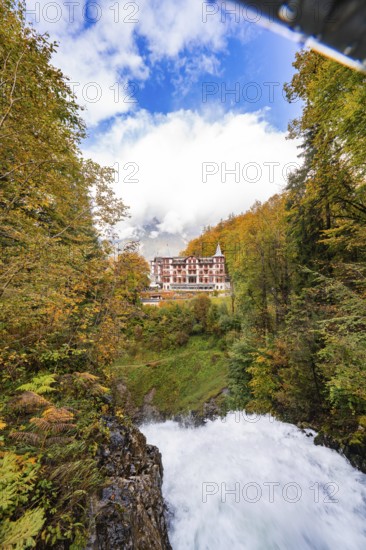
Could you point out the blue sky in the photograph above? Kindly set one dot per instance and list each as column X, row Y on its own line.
column 250, row 77
column 184, row 99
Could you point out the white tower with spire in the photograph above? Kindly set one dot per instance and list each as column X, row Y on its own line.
column 218, row 250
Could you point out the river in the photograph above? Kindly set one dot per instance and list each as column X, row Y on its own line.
column 254, row 483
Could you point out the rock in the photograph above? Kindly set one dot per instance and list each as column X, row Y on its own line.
column 122, row 398
column 191, row 419
column 212, row 409
column 148, row 411
column 130, row 512
column 356, row 454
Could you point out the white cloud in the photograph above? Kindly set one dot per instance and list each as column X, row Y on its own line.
column 181, row 161
column 172, row 223
column 161, row 158
column 99, row 48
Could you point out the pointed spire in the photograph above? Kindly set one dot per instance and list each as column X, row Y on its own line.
column 218, row 250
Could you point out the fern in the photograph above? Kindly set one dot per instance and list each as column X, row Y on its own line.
column 17, row 479
column 40, row 384
column 27, row 437
column 29, row 401
column 98, row 389
column 54, row 420
column 20, row 534
column 47, row 427
column 86, row 376
column 55, row 415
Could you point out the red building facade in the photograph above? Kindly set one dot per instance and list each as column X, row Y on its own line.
column 191, row 273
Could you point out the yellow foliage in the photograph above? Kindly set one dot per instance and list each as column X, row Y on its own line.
column 87, row 376
column 17, row 479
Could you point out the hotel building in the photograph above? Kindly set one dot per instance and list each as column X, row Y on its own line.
column 190, row 273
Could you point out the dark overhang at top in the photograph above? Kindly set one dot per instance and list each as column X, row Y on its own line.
column 336, row 24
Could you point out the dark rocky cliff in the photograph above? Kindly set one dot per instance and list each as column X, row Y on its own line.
column 129, row 514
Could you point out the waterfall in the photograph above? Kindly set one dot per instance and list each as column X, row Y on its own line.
column 254, row 483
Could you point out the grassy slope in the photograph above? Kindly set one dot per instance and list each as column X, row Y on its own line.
column 184, row 378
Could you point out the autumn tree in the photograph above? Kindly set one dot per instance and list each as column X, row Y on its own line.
column 58, row 212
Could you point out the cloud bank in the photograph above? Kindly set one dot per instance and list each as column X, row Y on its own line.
column 181, row 170
column 188, row 169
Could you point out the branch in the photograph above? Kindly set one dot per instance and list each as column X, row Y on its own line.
column 12, row 100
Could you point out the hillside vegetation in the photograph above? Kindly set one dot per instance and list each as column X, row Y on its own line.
column 180, row 352
column 182, row 380
column 298, row 267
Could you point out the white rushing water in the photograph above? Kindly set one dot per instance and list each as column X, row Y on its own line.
column 247, row 483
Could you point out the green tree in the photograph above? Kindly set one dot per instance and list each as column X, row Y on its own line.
column 201, row 307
